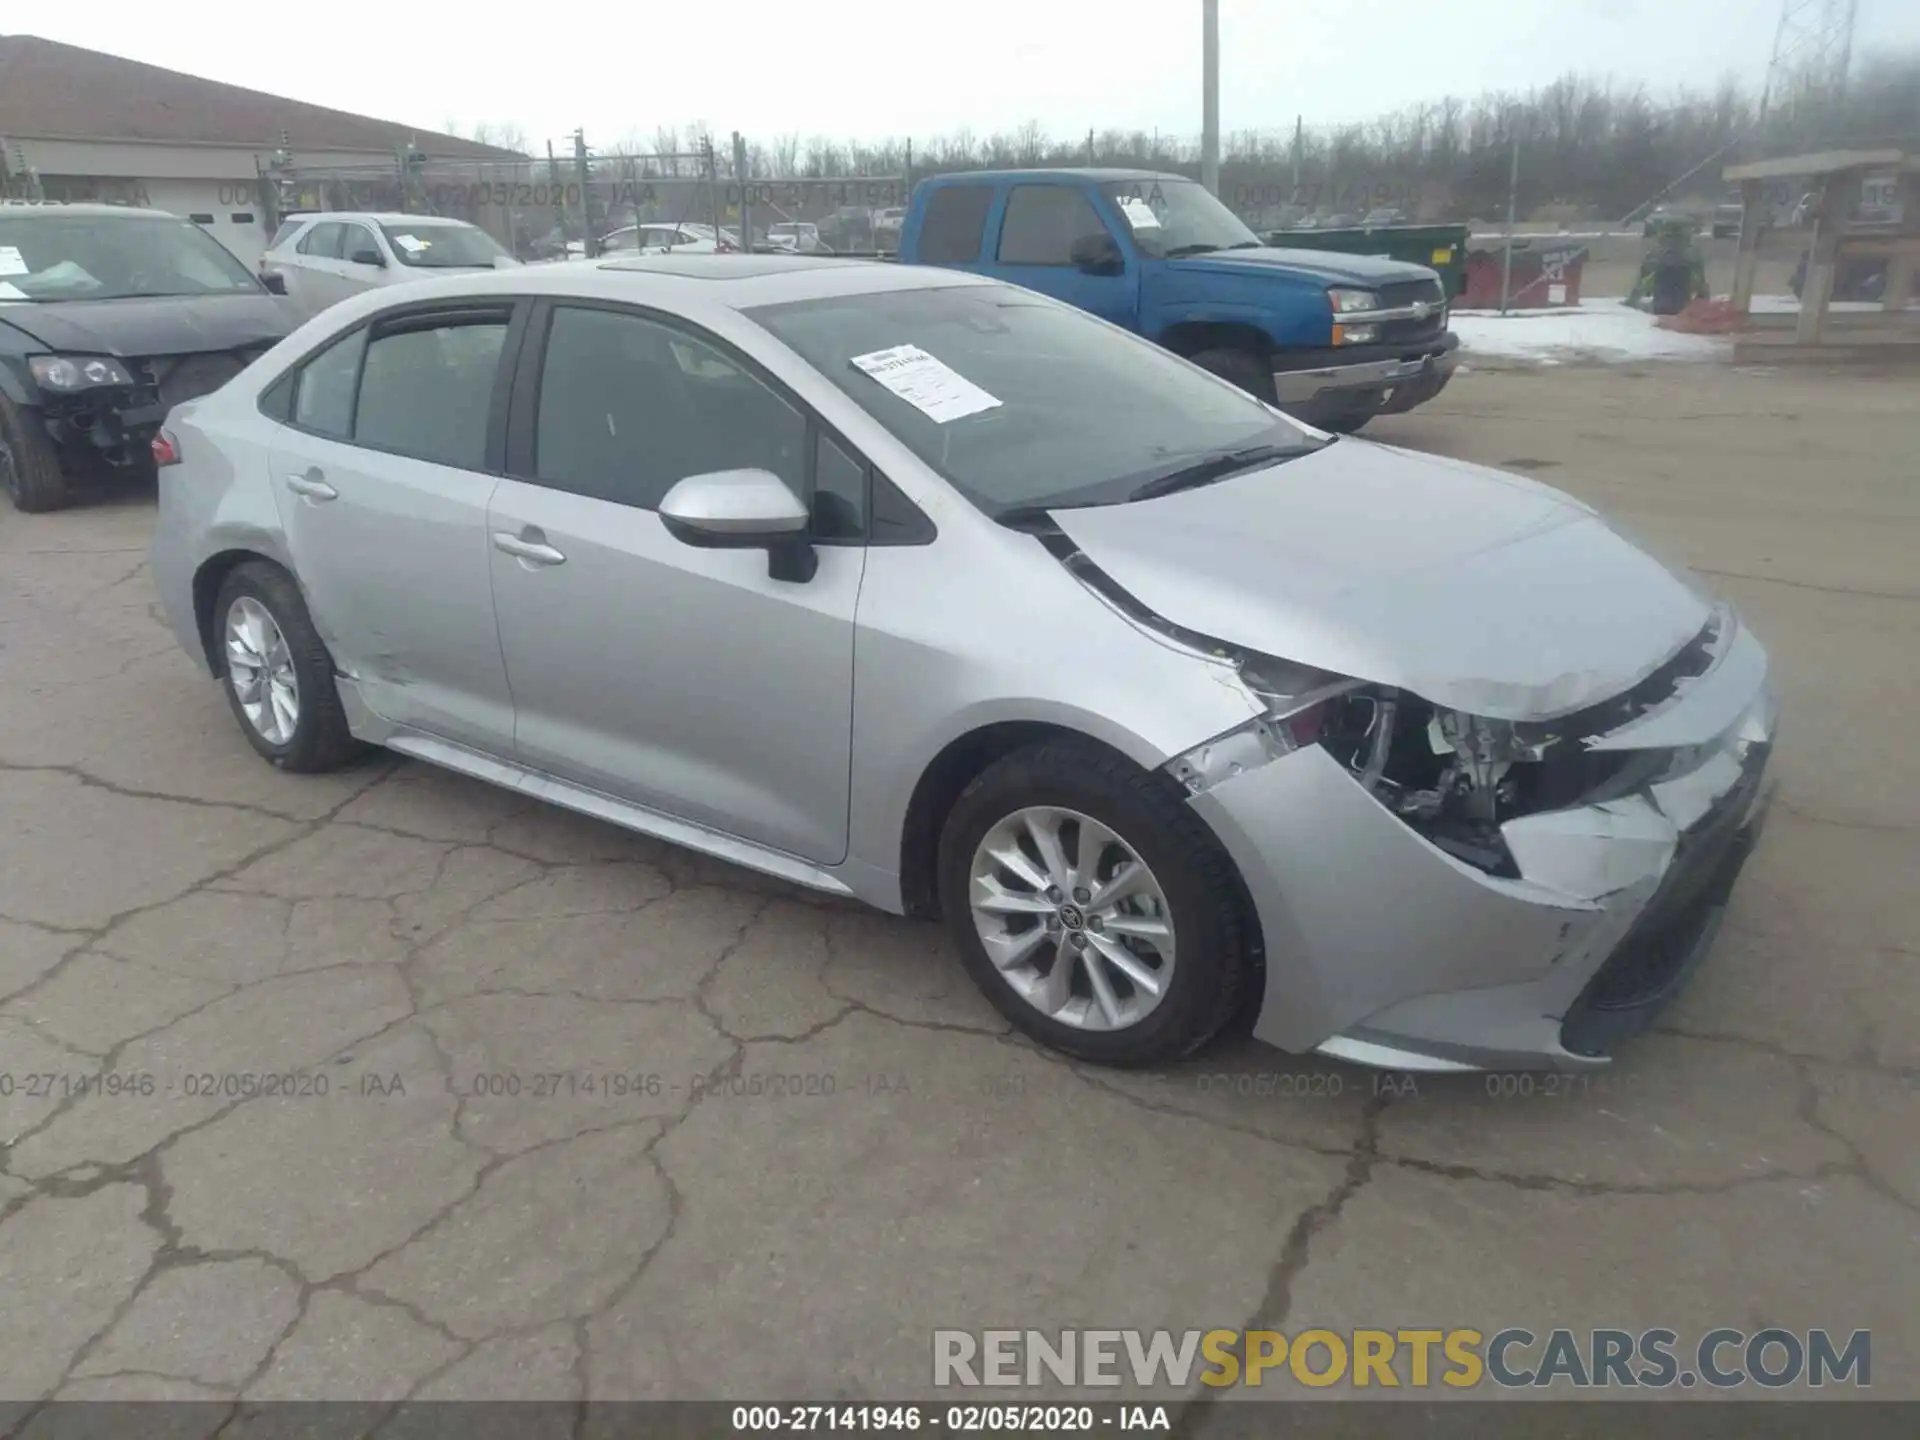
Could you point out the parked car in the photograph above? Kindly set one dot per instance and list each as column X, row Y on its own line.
column 1727, row 217
column 849, row 228
column 1382, row 218
column 887, row 225
column 662, row 239
column 1180, row 713
column 324, row 257
column 1331, row 337
column 797, row 237
column 108, row 316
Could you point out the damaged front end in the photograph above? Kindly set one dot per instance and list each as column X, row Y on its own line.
column 1459, row 778
column 1587, row 856
column 105, row 416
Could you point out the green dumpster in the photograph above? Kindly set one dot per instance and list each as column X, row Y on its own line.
column 1439, row 247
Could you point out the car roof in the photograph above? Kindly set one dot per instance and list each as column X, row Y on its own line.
column 379, row 217
column 18, row 209
column 734, row 282
column 1067, row 173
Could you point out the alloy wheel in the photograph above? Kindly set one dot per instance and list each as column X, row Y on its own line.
column 1072, row 918
column 260, row 670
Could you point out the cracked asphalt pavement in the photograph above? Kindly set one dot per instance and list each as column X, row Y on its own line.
column 569, row 1113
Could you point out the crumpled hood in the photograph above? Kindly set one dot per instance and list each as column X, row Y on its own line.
column 1326, row 266
column 1474, row 589
column 171, row 325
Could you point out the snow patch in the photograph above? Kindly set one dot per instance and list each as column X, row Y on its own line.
column 1605, row 330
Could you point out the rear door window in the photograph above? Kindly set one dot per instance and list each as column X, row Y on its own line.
column 428, row 386
column 955, row 224
column 323, row 393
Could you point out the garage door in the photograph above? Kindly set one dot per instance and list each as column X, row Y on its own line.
column 228, row 210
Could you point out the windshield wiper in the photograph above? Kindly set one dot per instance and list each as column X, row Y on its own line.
column 1180, row 252
column 1218, row 467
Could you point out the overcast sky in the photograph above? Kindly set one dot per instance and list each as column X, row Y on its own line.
column 767, row 67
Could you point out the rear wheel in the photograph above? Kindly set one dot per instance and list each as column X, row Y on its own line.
column 279, row 677
column 1244, row 368
column 29, row 465
column 1092, row 907
column 1348, row 423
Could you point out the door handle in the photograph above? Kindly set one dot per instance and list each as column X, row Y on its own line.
column 312, row 486
column 533, row 552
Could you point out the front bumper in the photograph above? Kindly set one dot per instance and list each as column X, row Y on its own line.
column 112, row 427
column 1383, row 949
column 1372, row 379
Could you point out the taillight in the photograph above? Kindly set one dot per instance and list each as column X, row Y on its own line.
column 166, row 450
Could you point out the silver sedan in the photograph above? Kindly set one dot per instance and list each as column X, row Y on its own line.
column 924, row 589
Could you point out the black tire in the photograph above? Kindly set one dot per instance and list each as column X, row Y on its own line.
column 29, row 465
column 1214, row 968
column 1244, row 368
column 320, row 740
column 1348, row 423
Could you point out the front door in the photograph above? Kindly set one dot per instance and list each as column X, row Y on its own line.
column 1038, row 226
column 383, row 499
column 685, row 680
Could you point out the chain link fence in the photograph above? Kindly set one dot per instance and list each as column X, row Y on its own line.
column 586, row 203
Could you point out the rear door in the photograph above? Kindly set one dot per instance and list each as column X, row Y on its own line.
column 382, row 477
column 313, row 277
column 1039, row 224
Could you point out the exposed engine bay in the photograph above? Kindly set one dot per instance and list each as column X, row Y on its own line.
column 1456, row 777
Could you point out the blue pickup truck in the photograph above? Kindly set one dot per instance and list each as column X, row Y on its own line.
column 1334, row 339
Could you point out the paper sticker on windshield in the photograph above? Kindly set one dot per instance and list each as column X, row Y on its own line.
column 1139, row 213
column 412, row 244
column 12, row 262
column 935, row 389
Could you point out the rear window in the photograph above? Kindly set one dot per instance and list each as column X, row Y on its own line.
column 955, row 223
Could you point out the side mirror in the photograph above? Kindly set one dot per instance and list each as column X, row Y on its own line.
column 369, row 257
column 275, row 282
column 1097, row 254
column 743, row 510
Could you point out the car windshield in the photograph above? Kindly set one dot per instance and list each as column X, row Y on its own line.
column 113, row 257
column 1171, row 218
column 1072, row 413
column 441, row 247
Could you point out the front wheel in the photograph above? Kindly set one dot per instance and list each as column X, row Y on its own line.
column 1092, row 907
column 1244, row 368
column 29, row 465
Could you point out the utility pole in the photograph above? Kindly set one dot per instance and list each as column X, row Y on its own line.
column 1089, row 145
column 589, row 244
column 1513, row 193
column 1210, row 95
column 740, row 180
column 713, row 183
